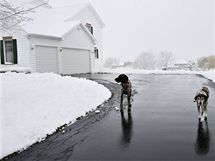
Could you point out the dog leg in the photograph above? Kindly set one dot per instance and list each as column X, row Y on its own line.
column 202, row 113
column 121, row 103
column 129, row 103
column 205, row 114
column 199, row 117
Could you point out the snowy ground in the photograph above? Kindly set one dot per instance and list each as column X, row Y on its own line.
column 6, row 68
column 33, row 105
column 207, row 74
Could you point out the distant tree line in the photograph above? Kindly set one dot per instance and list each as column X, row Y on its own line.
column 145, row 60
column 206, row 62
column 162, row 60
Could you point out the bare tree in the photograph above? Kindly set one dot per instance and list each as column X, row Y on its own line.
column 165, row 58
column 207, row 62
column 11, row 16
column 145, row 60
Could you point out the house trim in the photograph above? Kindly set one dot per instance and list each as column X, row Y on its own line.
column 30, row 35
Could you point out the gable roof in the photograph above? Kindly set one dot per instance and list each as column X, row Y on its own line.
column 52, row 23
column 59, row 31
column 70, row 11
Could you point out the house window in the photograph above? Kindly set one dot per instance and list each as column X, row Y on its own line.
column 89, row 27
column 8, row 50
column 96, row 51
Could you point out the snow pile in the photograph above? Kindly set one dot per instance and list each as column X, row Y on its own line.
column 209, row 74
column 14, row 68
column 33, row 105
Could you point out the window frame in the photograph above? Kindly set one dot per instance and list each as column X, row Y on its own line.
column 3, row 52
column 96, row 52
column 89, row 27
column 4, row 48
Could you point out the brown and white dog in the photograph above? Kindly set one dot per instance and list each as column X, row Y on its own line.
column 126, row 89
column 201, row 100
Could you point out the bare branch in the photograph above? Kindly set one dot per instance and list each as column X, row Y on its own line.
column 11, row 16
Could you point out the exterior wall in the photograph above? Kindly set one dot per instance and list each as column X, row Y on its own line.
column 23, row 46
column 40, row 41
column 78, row 39
column 87, row 16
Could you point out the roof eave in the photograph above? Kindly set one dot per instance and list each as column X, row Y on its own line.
column 29, row 35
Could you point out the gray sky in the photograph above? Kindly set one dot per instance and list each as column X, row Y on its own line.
column 184, row 27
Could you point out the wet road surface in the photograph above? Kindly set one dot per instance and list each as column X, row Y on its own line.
column 162, row 125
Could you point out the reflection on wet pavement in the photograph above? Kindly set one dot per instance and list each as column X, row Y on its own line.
column 127, row 124
column 202, row 145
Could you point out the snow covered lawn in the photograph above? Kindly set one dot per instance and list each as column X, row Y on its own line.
column 33, row 105
column 16, row 68
column 209, row 74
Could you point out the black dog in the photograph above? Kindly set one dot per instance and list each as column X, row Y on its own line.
column 126, row 89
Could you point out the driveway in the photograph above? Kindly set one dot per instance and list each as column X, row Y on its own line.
column 162, row 125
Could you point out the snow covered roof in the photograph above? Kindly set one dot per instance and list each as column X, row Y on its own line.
column 70, row 11
column 181, row 61
column 49, row 23
column 54, row 22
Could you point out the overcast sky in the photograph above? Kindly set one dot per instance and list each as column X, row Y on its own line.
column 184, row 27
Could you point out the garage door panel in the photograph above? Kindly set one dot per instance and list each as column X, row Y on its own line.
column 46, row 59
column 75, row 61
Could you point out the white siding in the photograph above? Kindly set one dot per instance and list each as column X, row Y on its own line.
column 88, row 17
column 75, row 61
column 78, row 39
column 46, row 59
column 40, row 41
column 23, row 47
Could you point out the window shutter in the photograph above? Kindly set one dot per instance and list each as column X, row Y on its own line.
column 96, row 51
column 91, row 30
column 2, row 51
column 15, row 51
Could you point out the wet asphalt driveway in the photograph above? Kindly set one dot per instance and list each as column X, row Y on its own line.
column 162, row 125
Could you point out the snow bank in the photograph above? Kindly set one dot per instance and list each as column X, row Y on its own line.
column 209, row 74
column 14, row 68
column 33, row 105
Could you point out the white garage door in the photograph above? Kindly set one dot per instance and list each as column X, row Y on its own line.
column 46, row 59
column 75, row 61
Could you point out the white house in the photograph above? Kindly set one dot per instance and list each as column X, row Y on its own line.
column 60, row 39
